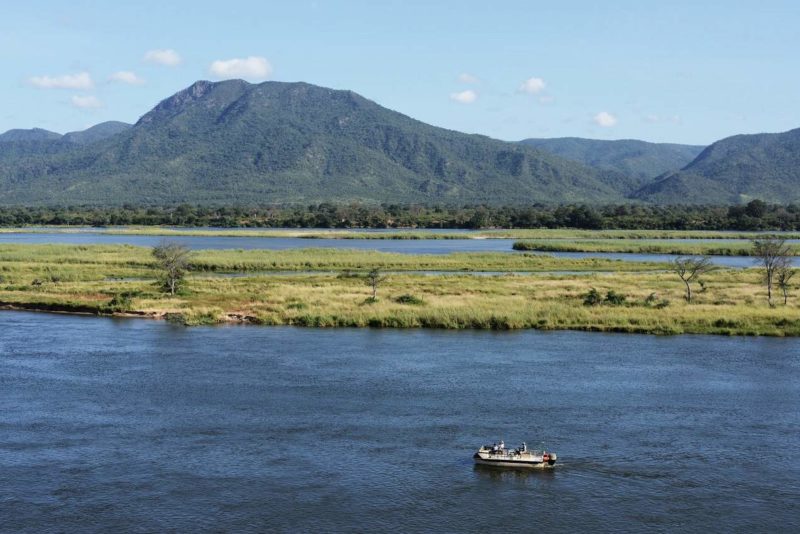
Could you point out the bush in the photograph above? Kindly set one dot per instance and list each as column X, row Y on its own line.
column 663, row 304
column 592, row 298
column 651, row 299
column 121, row 301
column 409, row 299
column 614, row 298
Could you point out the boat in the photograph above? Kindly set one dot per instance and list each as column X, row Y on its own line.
column 498, row 455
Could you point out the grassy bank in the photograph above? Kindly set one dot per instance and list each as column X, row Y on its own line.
column 643, row 246
column 120, row 279
column 70, row 261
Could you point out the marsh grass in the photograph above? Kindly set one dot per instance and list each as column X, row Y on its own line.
column 98, row 279
column 720, row 248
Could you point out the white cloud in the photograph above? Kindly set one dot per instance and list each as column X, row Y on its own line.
column 532, row 86
column 465, row 77
column 126, row 76
column 547, row 99
column 163, row 56
column 465, row 97
column 82, row 80
column 86, row 102
column 250, row 68
column 605, row 119
column 651, row 118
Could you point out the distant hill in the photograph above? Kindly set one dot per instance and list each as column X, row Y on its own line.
column 233, row 141
column 735, row 170
column 98, row 132
column 34, row 134
column 25, row 149
column 639, row 160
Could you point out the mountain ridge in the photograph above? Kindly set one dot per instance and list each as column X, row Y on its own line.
column 640, row 160
column 296, row 142
column 736, row 169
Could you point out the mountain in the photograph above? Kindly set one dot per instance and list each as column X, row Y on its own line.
column 34, row 134
column 24, row 149
column 233, row 141
column 735, row 170
column 639, row 160
column 98, row 132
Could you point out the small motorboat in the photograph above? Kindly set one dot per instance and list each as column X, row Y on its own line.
column 498, row 455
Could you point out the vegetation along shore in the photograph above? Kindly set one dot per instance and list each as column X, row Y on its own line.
column 335, row 288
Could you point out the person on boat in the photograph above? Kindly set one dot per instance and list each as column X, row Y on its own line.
column 523, row 448
column 502, row 446
column 494, row 447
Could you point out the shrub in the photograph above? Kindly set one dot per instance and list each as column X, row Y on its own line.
column 614, row 298
column 663, row 304
column 592, row 298
column 651, row 299
column 409, row 299
column 120, row 302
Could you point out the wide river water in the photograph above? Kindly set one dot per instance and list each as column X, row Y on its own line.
column 406, row 246
column 133, row 425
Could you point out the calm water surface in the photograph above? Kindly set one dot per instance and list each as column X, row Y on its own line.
column 133, row 425
column 407, row 246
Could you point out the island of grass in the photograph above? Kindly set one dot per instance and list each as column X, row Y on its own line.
column 715, row 247
column 327, row 288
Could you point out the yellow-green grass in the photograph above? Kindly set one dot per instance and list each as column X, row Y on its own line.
column 109, row 258
column 572, row 233
column 732, row 302
column 643, row 246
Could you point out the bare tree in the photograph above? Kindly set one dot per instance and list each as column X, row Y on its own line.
column 374, row 279
column 173, row 259
column 783, row 277
column 690, row 269
column 772, row 253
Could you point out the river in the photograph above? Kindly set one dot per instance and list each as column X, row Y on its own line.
column 406, row 246
column 138, row 425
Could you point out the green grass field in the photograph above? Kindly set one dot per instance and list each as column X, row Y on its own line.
column 105, row 279
column 643, row 246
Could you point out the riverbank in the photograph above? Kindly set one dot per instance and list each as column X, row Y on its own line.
column 121, row 280
column 644, row 246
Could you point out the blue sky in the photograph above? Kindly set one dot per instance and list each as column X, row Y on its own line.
column 677, row 71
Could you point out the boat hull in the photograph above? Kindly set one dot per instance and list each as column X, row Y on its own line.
column 514, row 463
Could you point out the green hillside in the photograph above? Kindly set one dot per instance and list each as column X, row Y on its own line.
column 735, row 170
column 293, row 142
column 638, row 160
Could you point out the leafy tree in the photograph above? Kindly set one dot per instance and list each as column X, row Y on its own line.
column 375, row 279
column 173, row 260
column 690, row 269
column 756, row 208
column 783, row 277
column 773, row 253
